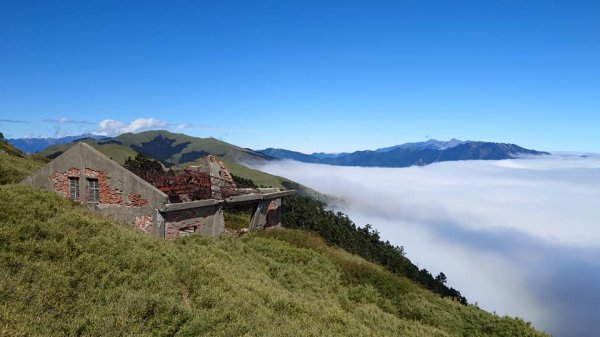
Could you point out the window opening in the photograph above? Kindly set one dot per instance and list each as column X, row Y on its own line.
column 93, row 190
column 73, row 188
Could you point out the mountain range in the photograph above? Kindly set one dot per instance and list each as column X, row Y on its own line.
column 175, row 149
column 409, row 154
column 32, row 145
column 167, row 147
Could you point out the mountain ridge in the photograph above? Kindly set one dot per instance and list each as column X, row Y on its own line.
column 409, row 154
column 167, row 147
column 33, row 145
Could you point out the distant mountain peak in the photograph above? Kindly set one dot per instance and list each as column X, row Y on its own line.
column 428, row 144
column 408, row 154
column 32, row 145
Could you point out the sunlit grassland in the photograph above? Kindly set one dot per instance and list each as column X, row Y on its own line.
column 65, row 271
column 14, row 169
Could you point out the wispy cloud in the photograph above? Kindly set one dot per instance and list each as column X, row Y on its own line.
column 63, row 121
column 14, row 121
column 61, row 126
column 111, row 127
column 191, row 126
column 520, row 237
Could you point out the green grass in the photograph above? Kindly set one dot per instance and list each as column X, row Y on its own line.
column 116, row 152
column 210, row 145
column 65, row 271
column 237, row 219
column 15, row 168
column 7, row 148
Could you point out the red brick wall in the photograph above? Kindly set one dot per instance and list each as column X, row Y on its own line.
column 60, row 181
column 272, row 214
column 108, row 195
column 144, row 223
column 136, row 200
column 175, row 230
column 185, row 222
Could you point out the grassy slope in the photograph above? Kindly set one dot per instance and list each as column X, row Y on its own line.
column 67, row 272
column 15, row 165
column 210, row 145
column 7, row 148
column 115, row 152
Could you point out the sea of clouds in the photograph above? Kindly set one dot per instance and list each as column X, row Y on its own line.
column 519, row 237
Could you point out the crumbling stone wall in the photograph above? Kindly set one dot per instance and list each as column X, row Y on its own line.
column 190, row 221
column 273, row 213
column 175, row 230
column 136, row 200
column 145, row 223
column 60, row 180
column 128, row 198
column 221, row 179
column 121, row 194
column 185, row 222
column 108, row 194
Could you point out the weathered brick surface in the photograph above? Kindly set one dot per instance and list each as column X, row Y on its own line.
column 185, row 222
column 175, row 230
column 223, row 174
column 176, row 216
column 60, row 180
column 144, row 223
column 136, row 200
column 272, row 214
column 108, row 194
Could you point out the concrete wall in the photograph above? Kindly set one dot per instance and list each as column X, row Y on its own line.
column 195, row 217
column 267, row 213
column 267, row 206
column 122, row 194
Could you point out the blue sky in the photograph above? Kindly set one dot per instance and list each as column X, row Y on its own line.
column 305, row 75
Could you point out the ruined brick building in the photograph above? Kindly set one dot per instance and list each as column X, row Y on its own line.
column 169, row 207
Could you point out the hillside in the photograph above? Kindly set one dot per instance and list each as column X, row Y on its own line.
column 293, row 155
column 164, row 146
column 15, row 165
column 410, row 154
column 65, row 271
column 9, row 149
column 114, row 151
column 180, row 150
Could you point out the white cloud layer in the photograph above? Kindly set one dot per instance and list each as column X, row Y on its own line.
column 520, row 237
column 111, row 127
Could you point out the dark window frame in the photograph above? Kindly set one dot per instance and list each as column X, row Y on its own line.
column 93, row 190
column 74, row 188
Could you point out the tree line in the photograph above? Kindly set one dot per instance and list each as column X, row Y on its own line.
column 337, row 229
